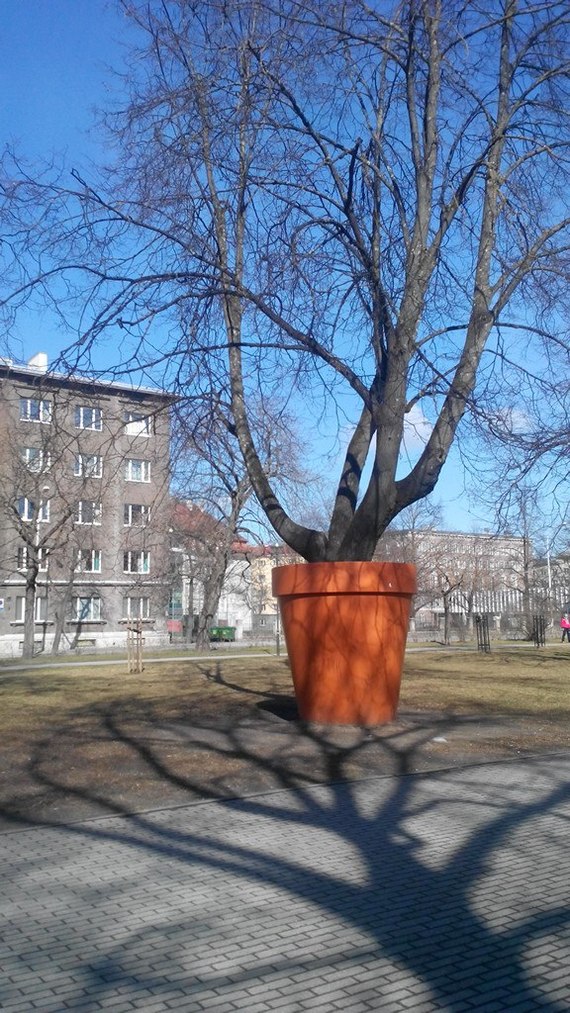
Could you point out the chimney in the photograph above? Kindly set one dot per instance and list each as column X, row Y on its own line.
column 39, row 362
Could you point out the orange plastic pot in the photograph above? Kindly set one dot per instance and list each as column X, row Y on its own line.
column 345, row 626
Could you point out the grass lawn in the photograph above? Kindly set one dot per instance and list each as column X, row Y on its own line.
column 82, row 741
column 521, row 680
column 517, row 681
column 174, row 689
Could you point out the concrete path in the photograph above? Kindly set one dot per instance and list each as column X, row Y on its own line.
column 227, row 654
column 446, row 891
column 102, row 662
column 219, row 653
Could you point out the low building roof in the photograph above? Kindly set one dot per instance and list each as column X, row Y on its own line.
column 41, row 375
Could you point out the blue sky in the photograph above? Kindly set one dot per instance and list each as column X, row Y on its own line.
column 54, row 59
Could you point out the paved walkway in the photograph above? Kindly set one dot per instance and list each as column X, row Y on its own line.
column 445, row 891
column 217, row 653
column 74, row 661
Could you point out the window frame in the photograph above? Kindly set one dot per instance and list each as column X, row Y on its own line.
column 141, row 612
column 39, row 607
column 130, row 554
column 142, row 423
column 28, row 456
column 80, row 411
column 42, row 515
column 79, row 469
column 97, row 510
column 94, row 556
column 128, row 512
column 26, row 509
column 44, row 410
column 78, row 617
column 145, row 468
column 43, row 559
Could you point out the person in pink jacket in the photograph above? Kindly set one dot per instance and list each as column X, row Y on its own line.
column 565, row 627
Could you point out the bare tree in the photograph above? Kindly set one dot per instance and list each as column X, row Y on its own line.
column 341, row 203
column 541, row 522
column 210, row 473
column 444, row 574
column 409, row 540
column 206, row 543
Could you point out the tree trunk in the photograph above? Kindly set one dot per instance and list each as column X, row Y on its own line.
column 212, row 591
column 58, row 630
column 60, row 613
column 30, row 613
column 446, row 617
column 189, row 629
column 76, row 635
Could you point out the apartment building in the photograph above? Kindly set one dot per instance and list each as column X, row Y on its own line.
column 84, row 471
column 462, row 573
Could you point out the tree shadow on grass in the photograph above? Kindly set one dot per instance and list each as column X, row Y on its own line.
column 452, row 882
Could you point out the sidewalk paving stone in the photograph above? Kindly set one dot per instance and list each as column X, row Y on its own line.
column 446, row 891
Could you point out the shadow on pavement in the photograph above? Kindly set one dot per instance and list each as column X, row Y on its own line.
column 415, row 865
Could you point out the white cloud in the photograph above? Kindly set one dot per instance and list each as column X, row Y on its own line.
column 417, row 430
column 511, row 420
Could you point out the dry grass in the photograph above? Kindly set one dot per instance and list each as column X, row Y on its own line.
column 516, row 681
column 37, row 699
column 520, row 680
column 79, row 741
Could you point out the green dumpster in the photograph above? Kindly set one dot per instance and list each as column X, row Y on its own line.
column 218, row 633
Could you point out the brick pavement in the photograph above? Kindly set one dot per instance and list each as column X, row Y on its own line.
column 446, row 891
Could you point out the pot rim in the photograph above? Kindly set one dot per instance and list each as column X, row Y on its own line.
column 344, row 577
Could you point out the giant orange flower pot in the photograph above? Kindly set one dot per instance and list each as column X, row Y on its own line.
column 345, row 626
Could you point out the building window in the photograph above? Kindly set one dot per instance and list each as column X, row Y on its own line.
column 89, row 561
column 136, row 608
column 137, row 424
column 87, row 609
column 33, row 409
column 136, row 562
column 135, row 515
column 88, row 512
column 88, row 466
column 88, row 418
column 40, row 609
column 35, row 459
column 24, row 554
column 137, row 470
column 27, row 510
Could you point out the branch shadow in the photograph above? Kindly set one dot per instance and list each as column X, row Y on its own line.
column 446, row 880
